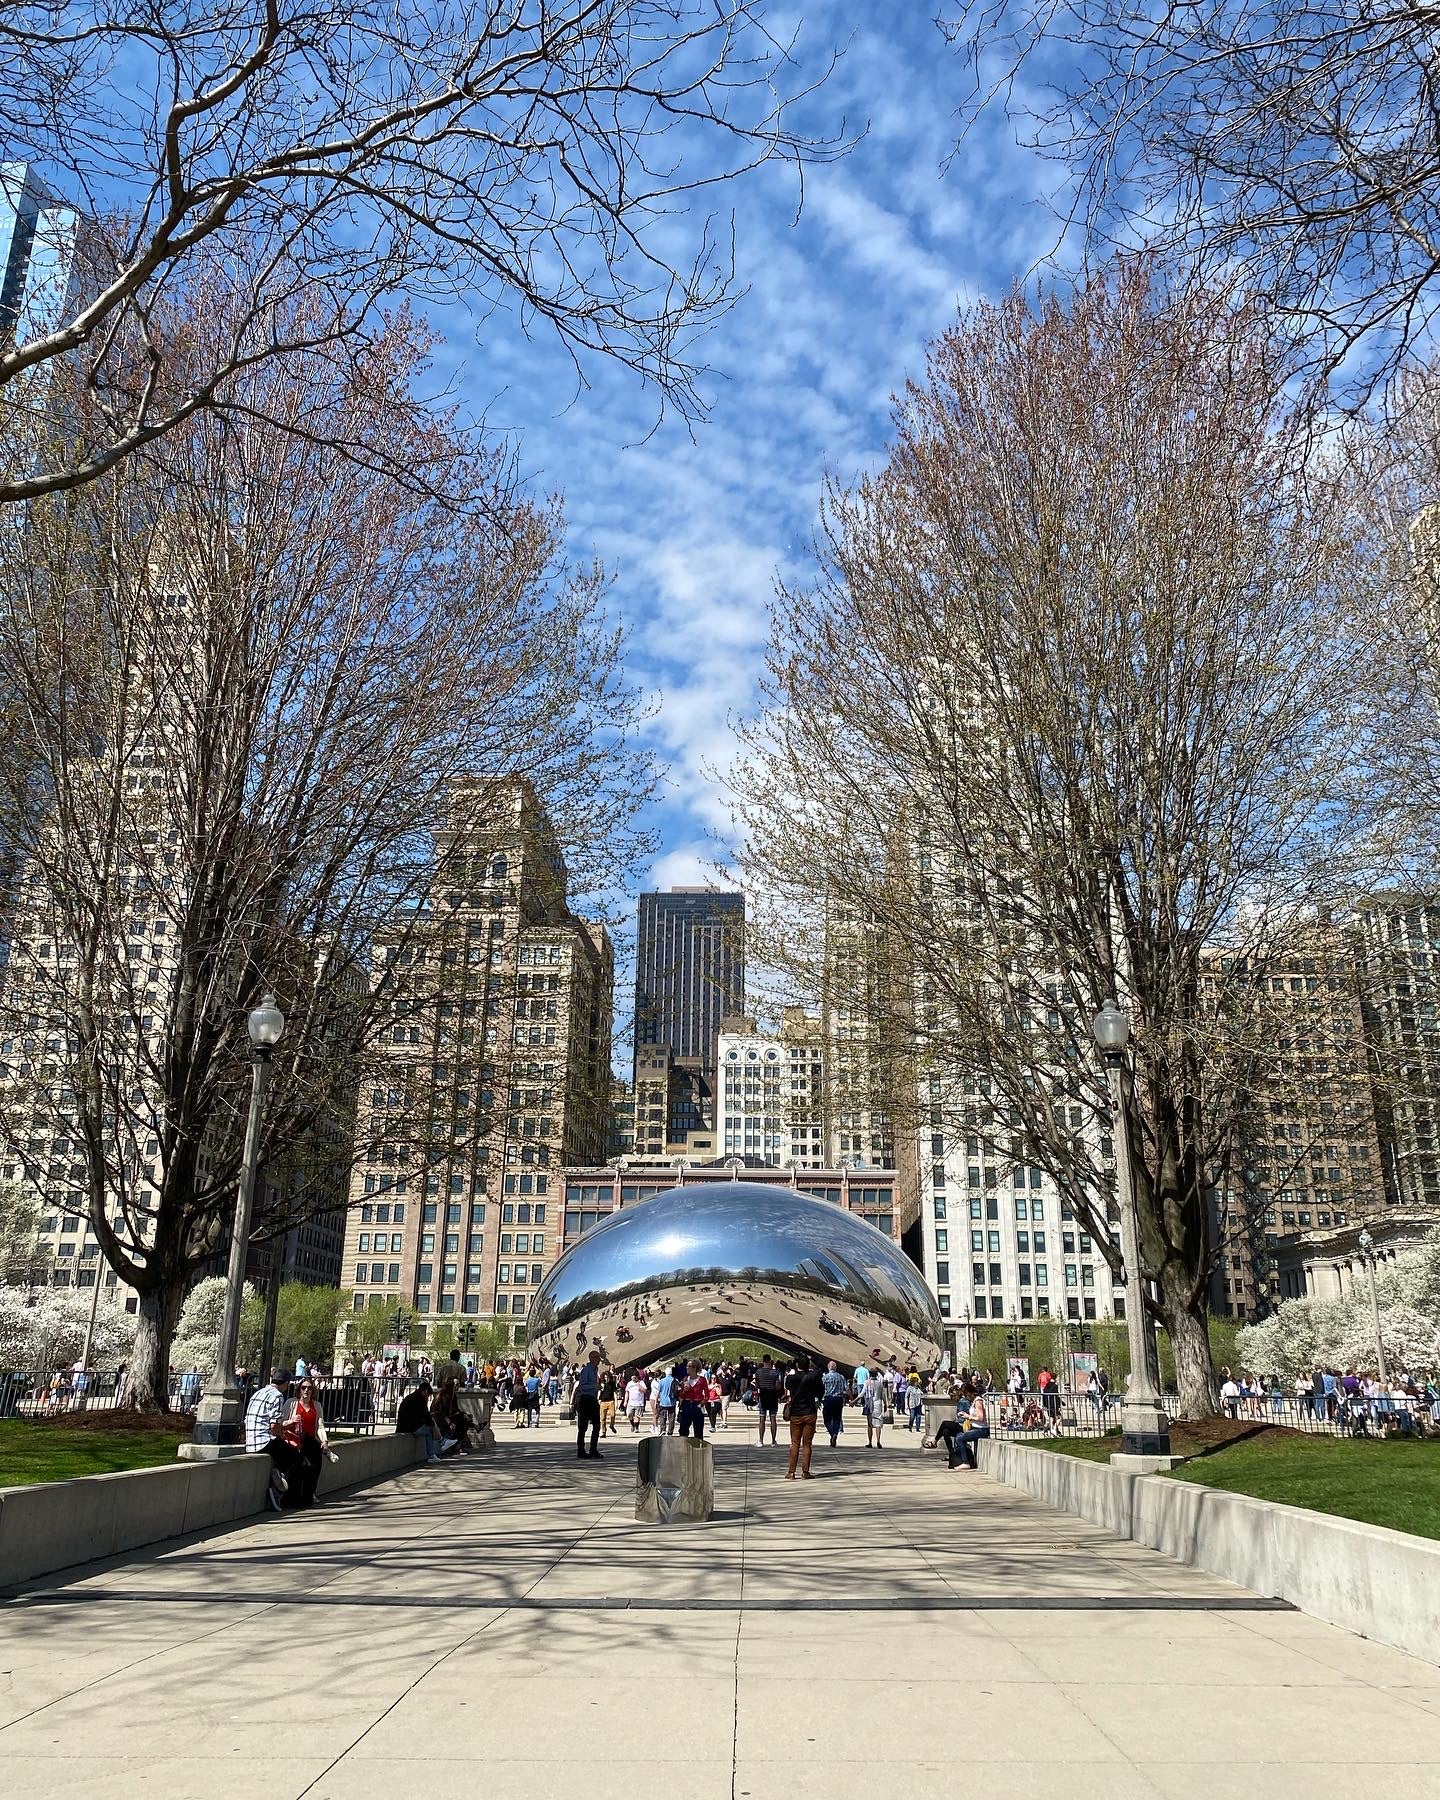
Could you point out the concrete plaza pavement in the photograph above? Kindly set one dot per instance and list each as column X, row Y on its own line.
column 501, row 1626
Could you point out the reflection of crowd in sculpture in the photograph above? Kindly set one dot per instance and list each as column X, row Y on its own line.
column 764, row 1308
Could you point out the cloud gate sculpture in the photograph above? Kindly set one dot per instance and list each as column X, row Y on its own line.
column 736, row 1259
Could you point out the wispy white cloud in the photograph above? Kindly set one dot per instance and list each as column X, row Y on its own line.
column 838, row 310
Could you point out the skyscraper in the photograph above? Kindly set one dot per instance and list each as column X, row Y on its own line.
column 690, row 972
column 39, row 261
column 498, row 1072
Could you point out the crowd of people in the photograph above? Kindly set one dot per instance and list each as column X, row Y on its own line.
column 1360, row 1402
column 693, row 1396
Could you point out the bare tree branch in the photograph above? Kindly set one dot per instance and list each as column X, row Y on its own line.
column 545, row 157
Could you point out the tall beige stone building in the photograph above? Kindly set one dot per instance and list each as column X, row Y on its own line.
column 497, row 1073
column 1307, row 1153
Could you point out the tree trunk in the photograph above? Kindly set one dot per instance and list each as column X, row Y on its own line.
column 1184, row 1319
column 148, row 1387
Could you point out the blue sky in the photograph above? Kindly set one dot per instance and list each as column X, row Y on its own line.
column 841, row 301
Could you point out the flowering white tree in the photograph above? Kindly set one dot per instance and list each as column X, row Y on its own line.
column 1341, row 1333
column 197, row 1339
column 42, row 1329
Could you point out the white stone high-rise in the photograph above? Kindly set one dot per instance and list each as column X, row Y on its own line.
column 770, row 1100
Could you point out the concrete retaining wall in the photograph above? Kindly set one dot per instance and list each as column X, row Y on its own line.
column 55, row 1525
column 1383, row 1584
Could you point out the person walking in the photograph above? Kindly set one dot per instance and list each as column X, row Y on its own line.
column 587, row 1407
column 875, row 1403
column 634, row 1401
column 803, row 1393
column 833, row 1389
column 607, row 1404
column 767, row 1384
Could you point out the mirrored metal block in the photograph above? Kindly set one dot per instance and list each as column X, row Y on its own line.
column 675, row 1481
column 736, row 1259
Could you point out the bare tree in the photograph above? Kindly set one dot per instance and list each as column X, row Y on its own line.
column 544, row 156
column 1066, row 715
column 1296, row 139
column 247, row 673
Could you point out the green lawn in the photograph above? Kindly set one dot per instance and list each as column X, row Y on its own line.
column 1395, row 1483
column 32, row 1451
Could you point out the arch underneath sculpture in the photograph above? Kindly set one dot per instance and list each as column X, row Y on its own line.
column 736, row 1259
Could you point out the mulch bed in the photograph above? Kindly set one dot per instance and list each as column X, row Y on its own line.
column 1197, row 1437
column 125, row 1418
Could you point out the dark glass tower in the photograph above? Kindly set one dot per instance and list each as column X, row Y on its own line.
column 690, row 971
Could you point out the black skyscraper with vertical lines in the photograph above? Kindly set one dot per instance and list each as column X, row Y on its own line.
column 690, row 970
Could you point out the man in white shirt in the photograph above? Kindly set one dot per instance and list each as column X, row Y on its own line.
column 264, row 1417
column 634, row 1401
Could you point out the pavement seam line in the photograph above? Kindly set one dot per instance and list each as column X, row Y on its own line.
column 1342, row 1675
column 230, row 1624
column 899, row 1527
column 445, row 1655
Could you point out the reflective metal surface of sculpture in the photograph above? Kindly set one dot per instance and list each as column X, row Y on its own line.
column 736, row 1259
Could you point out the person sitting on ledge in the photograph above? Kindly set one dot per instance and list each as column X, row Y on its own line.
column 413, row 1419
column 264, row 1434
column 961, row 1434
column 449, row 1420
column 304, row 1427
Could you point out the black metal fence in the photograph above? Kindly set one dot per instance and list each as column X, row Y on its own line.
column 1034, row 1415
column 29, row 1396
column 350, row 1404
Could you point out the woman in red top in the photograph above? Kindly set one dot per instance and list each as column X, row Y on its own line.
column 694, row 1397
column 305, row 1429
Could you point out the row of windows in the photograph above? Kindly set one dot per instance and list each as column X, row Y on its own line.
column 470, row 1303
column 990, row 1240
column 988, row 1207
column 995, row 1306
column 523, row 1212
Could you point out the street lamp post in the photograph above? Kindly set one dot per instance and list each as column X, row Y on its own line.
column 1367, row 1252
column 1144, row 1427
column 220, row 1416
